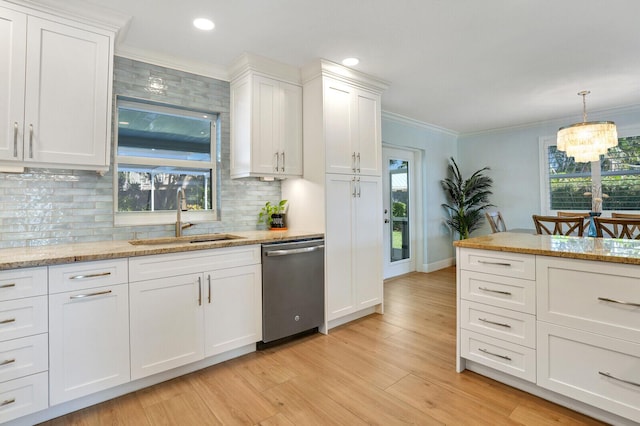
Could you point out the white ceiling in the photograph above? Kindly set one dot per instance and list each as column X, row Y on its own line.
column 464, row 65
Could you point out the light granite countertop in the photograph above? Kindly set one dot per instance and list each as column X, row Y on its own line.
column 601, row 249
column 11, row 258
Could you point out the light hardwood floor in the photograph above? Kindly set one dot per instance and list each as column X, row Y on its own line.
column 396, row 368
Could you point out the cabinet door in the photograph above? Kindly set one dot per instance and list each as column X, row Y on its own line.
column 338, row 246
column 368, row 138
column 88, row 341
column 338, row 131
column 166, row 324
column 265, row 125
column 367, row 245
column 233, row 308
column 13, row 36
column 67, row 103
column 290, row 129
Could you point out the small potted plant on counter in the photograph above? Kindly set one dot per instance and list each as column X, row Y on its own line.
column 272, row 215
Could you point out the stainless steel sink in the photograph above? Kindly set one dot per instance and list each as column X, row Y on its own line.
column 187, row 239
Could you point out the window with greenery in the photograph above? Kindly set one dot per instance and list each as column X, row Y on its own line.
column 161, row 149
column 567, row 181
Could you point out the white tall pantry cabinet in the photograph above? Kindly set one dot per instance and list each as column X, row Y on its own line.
column 341, row 191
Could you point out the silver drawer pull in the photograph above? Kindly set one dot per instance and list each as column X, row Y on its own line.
column 7, row 321
column 84, row 277
column 8, row 361
column 7, row 402
column 8, row 285
column 494, row 291
column 619, row 302
column 484, row 262
column 82, row 296
column 491, row 353
column 15, row 139
column 618, row 379
column 494, row 323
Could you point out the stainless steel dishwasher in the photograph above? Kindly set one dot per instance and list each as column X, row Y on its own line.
column 292, row 289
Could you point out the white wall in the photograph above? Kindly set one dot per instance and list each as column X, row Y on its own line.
column 437, row 146
column 513, row 156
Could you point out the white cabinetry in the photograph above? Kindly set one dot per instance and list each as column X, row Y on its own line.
column 187, row 306
column 55, row 94
column 23, row 342
column 496, row 311
column 589, row 332
column 352, row 125
column 88, row 328
column 341, row 193
column 266, row 125
column 354, row 217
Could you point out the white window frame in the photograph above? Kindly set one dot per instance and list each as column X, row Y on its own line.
column 544, row 142
column 164, row 217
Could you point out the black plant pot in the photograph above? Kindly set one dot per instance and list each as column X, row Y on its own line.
column 277, row 222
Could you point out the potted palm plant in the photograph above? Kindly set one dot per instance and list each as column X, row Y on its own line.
column 467, row 198
column 273, row 215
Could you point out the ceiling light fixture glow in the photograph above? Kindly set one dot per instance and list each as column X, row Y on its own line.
column 349, row 62
column 203, row 24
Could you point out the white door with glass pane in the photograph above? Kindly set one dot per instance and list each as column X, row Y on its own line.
column 399, row 179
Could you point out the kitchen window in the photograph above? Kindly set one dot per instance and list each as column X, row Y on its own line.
column 565, row 181
column 159, row 150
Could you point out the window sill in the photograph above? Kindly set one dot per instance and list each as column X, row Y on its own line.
column 161, row 218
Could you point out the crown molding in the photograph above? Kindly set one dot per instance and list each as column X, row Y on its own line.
column 407, row 121
column 322, row 67
column 249, row 62
column 194, row 67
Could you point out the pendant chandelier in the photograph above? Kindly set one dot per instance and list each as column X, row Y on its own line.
column 586, row 141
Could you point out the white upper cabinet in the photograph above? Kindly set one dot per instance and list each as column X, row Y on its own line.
column 55, row 92
column 266, row 122
column 352, row 129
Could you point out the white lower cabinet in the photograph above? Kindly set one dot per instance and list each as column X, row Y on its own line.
column 166, row 324
column 176, row 320
column 88, row 329
column 23, row 396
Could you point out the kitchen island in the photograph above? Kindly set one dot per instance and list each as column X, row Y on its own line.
column 556, row 316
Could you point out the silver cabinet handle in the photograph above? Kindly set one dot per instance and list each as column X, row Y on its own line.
column 282, row 161
column 619, row 302
column 8, row 361
column 8, row 320
column 484, row 262
column 199, row 291
column 358, row 163
column 353, row 162
column 353, row 183
column 15, row 139
column 30, row 140
column 82, row 296
column 209, row 282
column 277, row 155
column 358, row 186
column 494, row 291
column 8, row 285
column 618, row 379
column 492, row 354
column 293, row 251
column 84, row 277
column 7, row 402
column 494, row 323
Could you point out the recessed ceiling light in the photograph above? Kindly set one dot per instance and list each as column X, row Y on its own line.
column 349, row 62
column 203, row 24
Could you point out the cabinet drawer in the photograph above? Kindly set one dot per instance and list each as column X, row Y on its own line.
column 598, row 297
column 574, row 363
column 19, row 283
column 23, row 317
column 22, row 357
column 505, row 292
column 23, row 396
column 499, row 263
column 510, row 358
column 85, row 275
column 173, row 264
column 504, row 324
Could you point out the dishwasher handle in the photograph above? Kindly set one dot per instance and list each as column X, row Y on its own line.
column 292, row 251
